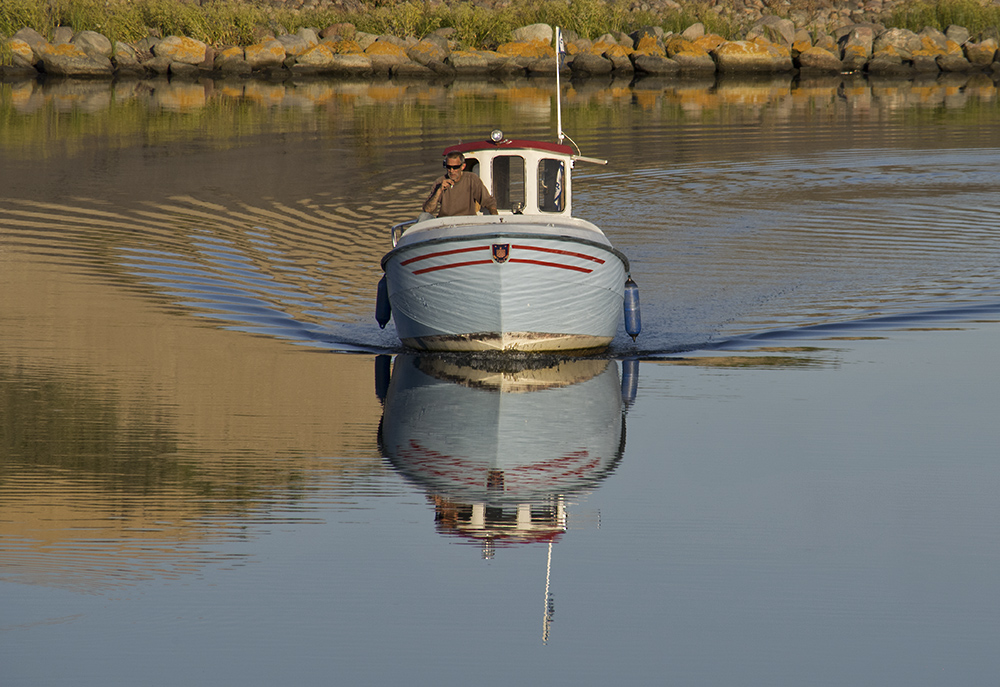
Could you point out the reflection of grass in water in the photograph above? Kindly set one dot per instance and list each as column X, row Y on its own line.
column 69, row 426
column 57, row 118
column 127, row 118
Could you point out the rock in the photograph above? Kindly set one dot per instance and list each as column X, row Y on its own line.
column 650, row 45
column 589, row 64
column 889, row 62
column 232, row 62
column 624, row 40
column 856, row 47
column 654, row 64
column 469, row 62
column 62, row 34
column 815, row 60
column 184, row 70
column 981, row 54
column 35, row 41
column 322, row 60
column 181, row 49
column 126, row 60
column 22, row 55
column 619, row 58
column 932, row 39
column 365, row 40
column 752, row 57
column 675, row 44
column 268, row 54
column 385, row 56
column 654, row 32
column 68, row 60
column 295, row 45
column 525, row 53
column 413, row 70
column 688, row 55
column 959, row 34
column 158, row 65
column 694, row 32
column 775, row 29
column 583, row 45
column 92, row 43
column 546, row 66
column 308, row 35
column 826, row 42
column 903, row 41
column 145, row 47
column 694, row 62
column 440, row 39
column 17, row 73
column 427, row 51
column 925, row 64
column 532, row 33
column 954, row 63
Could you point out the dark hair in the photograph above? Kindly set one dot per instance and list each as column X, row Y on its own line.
column 453, row 155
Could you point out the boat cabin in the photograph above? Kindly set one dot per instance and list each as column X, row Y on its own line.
column 525, row 177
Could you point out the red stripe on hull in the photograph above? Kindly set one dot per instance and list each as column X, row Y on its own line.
column 552, row 264
column 454, row 251
column 583, row 256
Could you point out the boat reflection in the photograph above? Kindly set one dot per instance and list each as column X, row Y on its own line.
column 498, row 446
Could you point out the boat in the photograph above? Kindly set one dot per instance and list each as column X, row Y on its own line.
column 469, row 431
column 532, row 278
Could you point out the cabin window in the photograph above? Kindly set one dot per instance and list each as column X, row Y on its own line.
column 508, row 181
column 551, row 185
column 472, row 165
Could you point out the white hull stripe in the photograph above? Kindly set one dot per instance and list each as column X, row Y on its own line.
column 468, row 263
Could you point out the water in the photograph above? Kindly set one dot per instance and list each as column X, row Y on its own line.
column 215, row 467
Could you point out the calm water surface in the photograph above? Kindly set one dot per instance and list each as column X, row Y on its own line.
column 215, row 468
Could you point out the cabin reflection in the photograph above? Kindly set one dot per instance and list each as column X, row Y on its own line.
column 500, row 445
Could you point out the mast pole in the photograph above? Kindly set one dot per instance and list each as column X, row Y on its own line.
column 559, row 53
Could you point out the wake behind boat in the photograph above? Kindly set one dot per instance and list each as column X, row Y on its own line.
column 530, row 278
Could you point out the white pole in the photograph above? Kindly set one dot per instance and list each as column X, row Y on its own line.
column 559, row 52
column 547, row 616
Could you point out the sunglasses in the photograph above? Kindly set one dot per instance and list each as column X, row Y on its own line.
column 458, row 166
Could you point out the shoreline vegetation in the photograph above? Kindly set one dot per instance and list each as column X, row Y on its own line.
column 507, row 38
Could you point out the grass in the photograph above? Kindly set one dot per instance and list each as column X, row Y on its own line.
column 971, row 14
column 242, row 22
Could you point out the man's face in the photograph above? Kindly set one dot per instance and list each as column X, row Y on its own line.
column 453, row 168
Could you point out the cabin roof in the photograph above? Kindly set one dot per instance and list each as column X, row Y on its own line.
column 508, row 144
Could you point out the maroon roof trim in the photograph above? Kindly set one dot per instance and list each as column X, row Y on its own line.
column 508, row 143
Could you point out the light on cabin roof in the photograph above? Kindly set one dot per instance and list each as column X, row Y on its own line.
column 496, row 136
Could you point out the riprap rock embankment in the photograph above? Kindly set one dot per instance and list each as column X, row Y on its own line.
column 770, row 45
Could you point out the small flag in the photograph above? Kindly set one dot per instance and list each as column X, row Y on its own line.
column 560, row 43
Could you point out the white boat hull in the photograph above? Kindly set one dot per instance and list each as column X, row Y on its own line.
column 507, row 437
column 526, row 287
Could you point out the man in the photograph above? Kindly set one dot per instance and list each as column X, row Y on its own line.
column 458, row 192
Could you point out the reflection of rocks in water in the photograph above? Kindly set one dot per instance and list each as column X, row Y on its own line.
column 497, row 443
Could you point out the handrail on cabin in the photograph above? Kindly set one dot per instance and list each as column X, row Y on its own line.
column 401, row 229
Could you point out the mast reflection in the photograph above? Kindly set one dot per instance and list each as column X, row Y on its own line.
column 498, row 445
